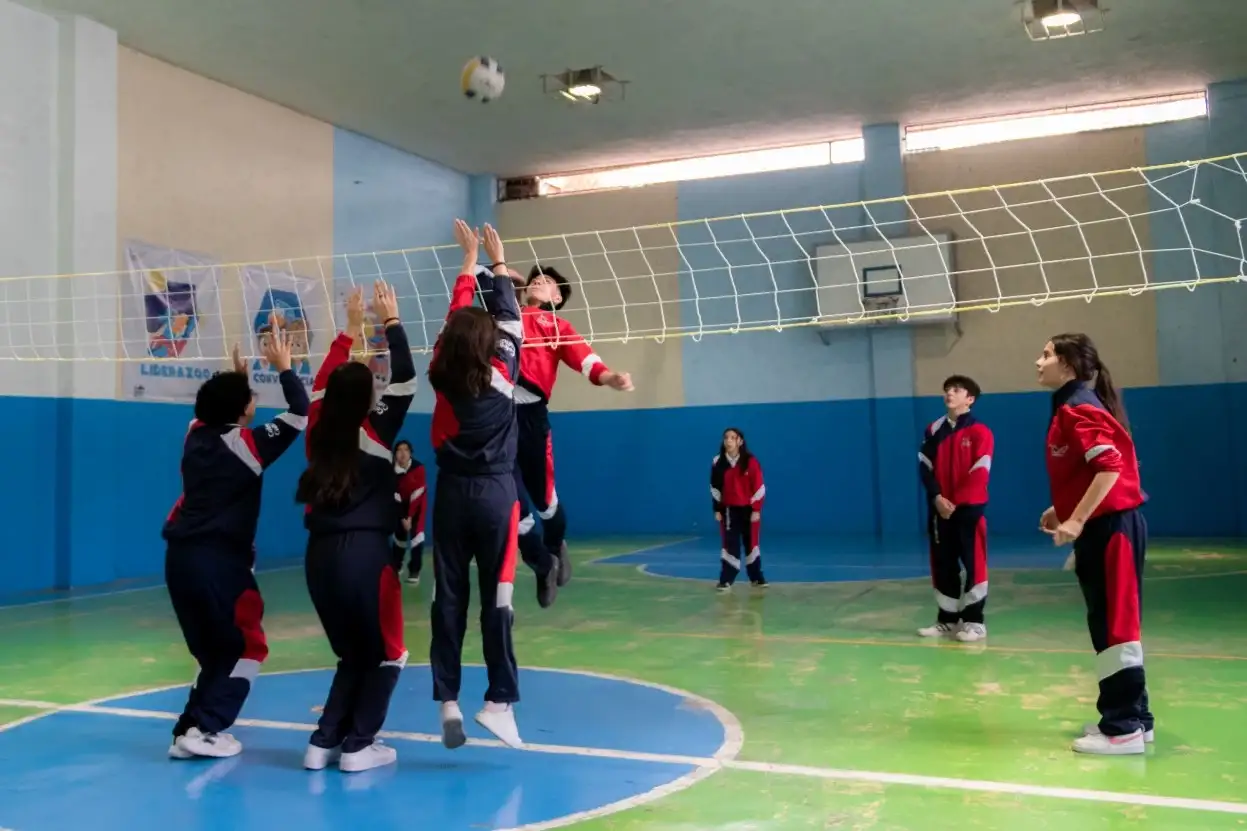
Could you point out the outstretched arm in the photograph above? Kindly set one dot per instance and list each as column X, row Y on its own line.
column 575, row 352
column 339, row 352
column 387, row 417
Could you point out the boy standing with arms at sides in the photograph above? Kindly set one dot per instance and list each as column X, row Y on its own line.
column 954, row 464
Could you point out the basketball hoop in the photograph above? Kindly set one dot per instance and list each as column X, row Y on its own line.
column 878, row 309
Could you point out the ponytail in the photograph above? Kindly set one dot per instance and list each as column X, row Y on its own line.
column 1107, row 392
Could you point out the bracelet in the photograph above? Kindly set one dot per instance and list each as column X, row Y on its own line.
column 495, row 265
column 388, row 320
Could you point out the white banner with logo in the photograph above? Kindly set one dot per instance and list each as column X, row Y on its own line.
column 171, row 322
column 299, row 303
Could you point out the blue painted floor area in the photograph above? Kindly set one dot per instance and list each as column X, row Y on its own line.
column 831, row 560
column 104, row 771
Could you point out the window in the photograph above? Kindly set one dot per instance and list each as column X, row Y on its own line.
column 1056, row 122
column 706, row 167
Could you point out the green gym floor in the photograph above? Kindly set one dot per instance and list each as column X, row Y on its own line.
column 850, row 721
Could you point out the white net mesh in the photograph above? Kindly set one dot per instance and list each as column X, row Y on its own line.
column 980, row 249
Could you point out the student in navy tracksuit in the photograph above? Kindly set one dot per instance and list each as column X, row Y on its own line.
column 411, row 499
column 1093, row 473
column 210, row 554
column 737, row 493
column 476, row 514
column 954, row 464
column 349, row 488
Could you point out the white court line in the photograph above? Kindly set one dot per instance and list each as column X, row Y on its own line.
column 705, row 766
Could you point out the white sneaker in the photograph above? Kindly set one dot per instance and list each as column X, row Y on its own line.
column 413, row 581
column 1093, row 729
column 319, row 758
column 499, row 719
column 176, row 752
column 1099, row 744
column 971, row 632
column 212, row 745
column 374, row 755
column 940, row 630
column 452, row 725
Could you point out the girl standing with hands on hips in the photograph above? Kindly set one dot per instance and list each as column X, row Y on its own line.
column 1093, row 474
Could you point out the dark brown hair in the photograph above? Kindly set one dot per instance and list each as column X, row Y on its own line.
column 333, row 443
column 461, row 365
column 1080, row 355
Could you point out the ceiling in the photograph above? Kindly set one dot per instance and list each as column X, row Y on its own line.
column 733, row 74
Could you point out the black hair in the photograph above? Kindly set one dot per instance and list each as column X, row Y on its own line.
column 223, row 399
column 333, row 443
column 962, row 382
column 722, row 464
column 1080, row 355
column 462, row 360
column 403, row 443
column 565, row 288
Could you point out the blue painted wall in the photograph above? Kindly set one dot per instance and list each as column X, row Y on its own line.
column 387, row 200
column 102, row 521
column 1202, row 335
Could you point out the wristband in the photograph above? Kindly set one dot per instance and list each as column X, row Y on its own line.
column 390, row 320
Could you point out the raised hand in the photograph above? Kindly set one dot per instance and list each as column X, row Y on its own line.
column 240, row 363
column 277, row 346
column 493, row 245
column 355, row 311
column 384, row 301
column 470, row 241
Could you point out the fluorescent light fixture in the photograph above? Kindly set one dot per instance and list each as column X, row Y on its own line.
column 1056, row 122
column 1060, row 20
column 585, row 91
column 707, row 167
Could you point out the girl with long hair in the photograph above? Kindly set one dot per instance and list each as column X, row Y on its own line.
column 348, row 489
column 1093, row 474
column 476, row 514
column 737, row 492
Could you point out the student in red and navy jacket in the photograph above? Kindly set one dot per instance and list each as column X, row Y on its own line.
column 410, row 499
column 737, row 493
column 476, row 514
column 954, row 464
column 550, row 340
column 211, row 533
column 1093, row 473
column 348, row 489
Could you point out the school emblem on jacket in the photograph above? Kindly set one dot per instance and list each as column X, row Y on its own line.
column 1058, row 451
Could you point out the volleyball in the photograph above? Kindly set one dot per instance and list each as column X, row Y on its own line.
column 482, row 79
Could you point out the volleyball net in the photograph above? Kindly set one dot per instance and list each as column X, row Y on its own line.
column 910, row 259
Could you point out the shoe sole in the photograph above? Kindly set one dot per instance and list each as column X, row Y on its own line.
column 519, row 746
column 453, row 736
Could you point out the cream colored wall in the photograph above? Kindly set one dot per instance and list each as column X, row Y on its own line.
column 998, row 349
column 644, row 286
column 203, row 167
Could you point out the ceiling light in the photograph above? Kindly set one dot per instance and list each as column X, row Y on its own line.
column 1052, row 19
column 583, row 86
